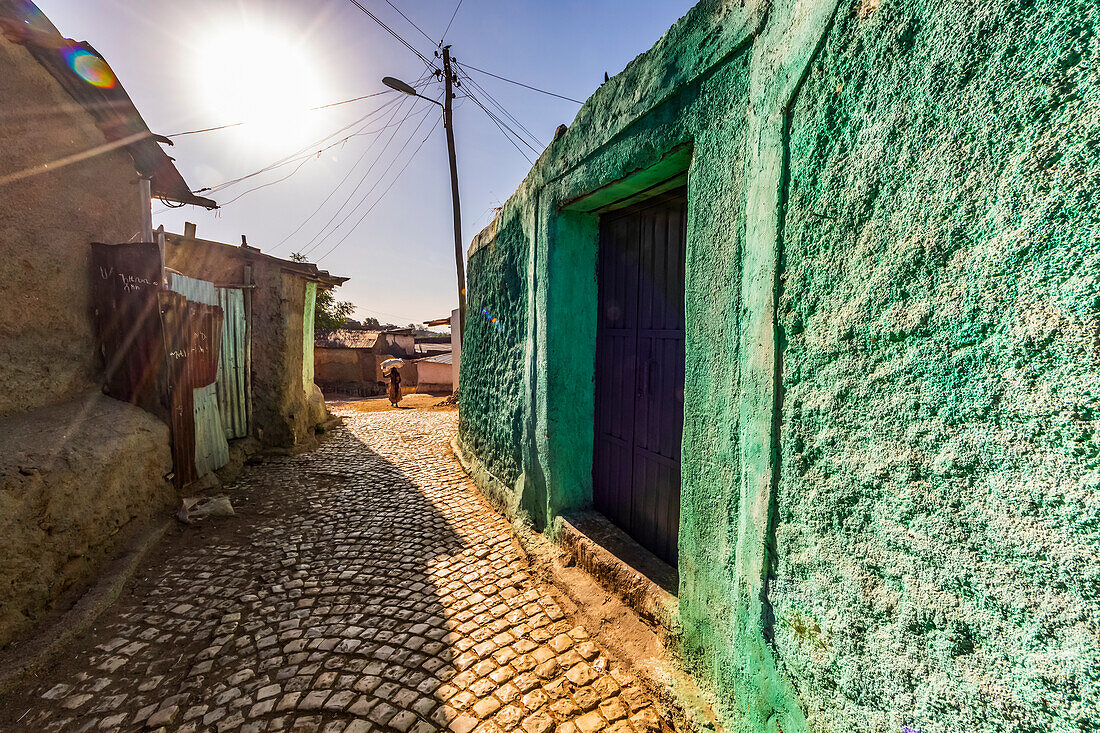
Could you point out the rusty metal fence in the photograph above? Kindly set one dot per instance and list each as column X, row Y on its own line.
column 177, row 347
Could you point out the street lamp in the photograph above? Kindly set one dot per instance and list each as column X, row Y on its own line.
column 404, row 88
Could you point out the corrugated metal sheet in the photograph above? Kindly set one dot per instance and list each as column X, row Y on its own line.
column 232, row 382
column 177, row 340
column 211, row 448
column 204, row 342
column 197, row 291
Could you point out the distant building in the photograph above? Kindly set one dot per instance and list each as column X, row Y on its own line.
column 456, row 343
column 434, row 375
column 348, row 360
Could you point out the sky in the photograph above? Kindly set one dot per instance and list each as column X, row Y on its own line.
column 363, row 188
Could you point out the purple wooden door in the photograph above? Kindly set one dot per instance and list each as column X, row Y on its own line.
column 640, row 371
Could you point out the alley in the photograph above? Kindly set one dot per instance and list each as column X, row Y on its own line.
column 364, row 586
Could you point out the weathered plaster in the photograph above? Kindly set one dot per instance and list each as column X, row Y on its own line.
column 888, row 512
column 47, row 349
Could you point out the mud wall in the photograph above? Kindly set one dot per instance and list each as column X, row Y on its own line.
column 889, row 503
column 353, row 371
column 77, row 480
column 47, row 220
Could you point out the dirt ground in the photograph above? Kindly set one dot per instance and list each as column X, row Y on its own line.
column 430, row 402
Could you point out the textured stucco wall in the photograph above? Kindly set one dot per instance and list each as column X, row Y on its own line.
column 493, row 347
column 47, row 220
column 432, row 377
column 938, row 508
column 889, row 506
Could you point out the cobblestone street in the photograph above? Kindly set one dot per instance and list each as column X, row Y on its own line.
column 364, row 586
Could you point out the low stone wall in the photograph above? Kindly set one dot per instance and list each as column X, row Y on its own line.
column 76, row 480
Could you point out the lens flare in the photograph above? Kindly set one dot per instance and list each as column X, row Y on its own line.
column 90, row 68
column 493, row 320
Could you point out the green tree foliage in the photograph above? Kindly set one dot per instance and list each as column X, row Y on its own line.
column 331, row 314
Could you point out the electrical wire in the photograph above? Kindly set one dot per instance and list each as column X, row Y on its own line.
column 521, row 84
column 325, row 232
column 272, row 183
column 369, row 192
column 395, row 34
column 503, row 131
column 452, row 20
column 414, row 25
column 337, row 187
column 305, row 160
column 311, row 109
column 302, row 152
column 301, row 156
column 492, row 100
column 293, row 156
column 383, row 194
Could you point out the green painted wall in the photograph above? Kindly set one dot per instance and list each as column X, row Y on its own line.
column 890, row 505
column 496, row 326
column 308, row 317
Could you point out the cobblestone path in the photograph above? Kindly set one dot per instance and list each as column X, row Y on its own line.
column 365, row 586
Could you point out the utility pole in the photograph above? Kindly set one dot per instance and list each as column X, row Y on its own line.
column 448, row 79
column 450, row 82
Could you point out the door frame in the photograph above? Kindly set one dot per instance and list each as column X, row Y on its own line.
column 559, row 376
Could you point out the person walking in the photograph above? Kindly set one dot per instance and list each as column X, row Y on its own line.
column 395, row 386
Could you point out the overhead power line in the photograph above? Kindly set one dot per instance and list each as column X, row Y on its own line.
column 383, row 194
column 318, row 242
column 305, row 159
column 483, row 92
column 452, row 20
column 505, row 129
column 325, row 232
column 341, row 183
column 521, row 84
column 394, row 33
column 414, row 25
column 302, row 152
column 311, row 109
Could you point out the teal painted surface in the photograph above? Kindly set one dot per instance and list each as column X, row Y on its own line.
column 211, row 447
column 939, row 504
column 493, row 350
column 232, row 384
column 307, row 337
column 195, row 290
column 889, row 507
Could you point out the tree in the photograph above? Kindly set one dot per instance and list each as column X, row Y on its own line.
column 297, row 257
column 329, row 313
column 372, row 323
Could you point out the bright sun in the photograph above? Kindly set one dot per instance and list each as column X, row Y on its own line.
column 261, row 75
